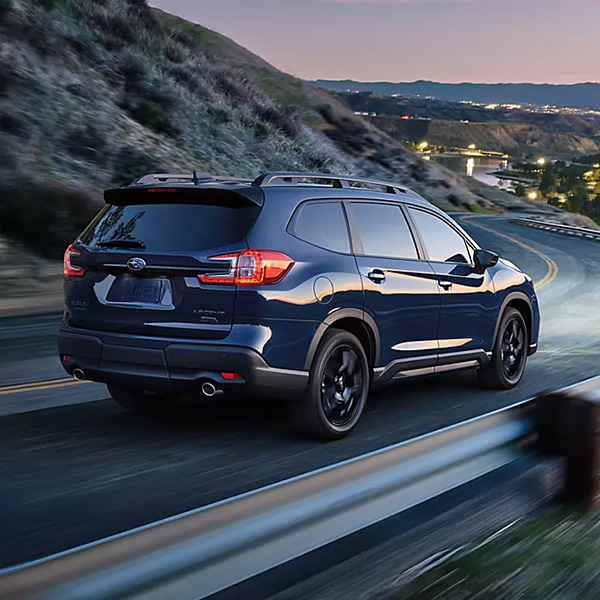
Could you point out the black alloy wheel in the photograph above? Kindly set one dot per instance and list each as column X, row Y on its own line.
column 342, row 385
column 513, row 348
column 337, row 389
column 509, row 355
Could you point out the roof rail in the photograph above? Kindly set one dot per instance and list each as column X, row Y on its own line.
column 196, row 177
column 337, row 181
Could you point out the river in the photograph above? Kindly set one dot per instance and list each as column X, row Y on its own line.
column 477, row 167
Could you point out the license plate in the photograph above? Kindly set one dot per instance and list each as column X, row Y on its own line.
column 147, row 291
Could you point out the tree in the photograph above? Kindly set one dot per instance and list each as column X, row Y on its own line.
column 520, row 190
column 548, row 182
column 577, row 202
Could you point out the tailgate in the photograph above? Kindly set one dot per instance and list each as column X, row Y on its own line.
column 142, row 262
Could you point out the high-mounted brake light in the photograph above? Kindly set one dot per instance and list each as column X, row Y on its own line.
column 69, row 269
column 251, row 267
column 160, row 190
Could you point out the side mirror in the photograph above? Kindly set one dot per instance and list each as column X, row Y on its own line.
column 484, row 259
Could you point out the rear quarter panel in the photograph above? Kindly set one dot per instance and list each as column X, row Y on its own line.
column 320, row 283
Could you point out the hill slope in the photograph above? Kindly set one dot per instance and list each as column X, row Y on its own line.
column 513, row 138
column 93, row 94
column 454, row 124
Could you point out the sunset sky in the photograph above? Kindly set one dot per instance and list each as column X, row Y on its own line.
column 554, row 41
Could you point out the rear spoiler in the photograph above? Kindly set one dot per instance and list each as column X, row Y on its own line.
column 184, row 194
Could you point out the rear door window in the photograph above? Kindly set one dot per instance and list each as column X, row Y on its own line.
column 383, row 231
column 172, row 227
column 323, row 224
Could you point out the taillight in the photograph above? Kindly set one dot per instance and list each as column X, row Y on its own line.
column 251, row 267
column 69, row 269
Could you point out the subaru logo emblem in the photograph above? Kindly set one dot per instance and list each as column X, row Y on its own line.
column 136, row 264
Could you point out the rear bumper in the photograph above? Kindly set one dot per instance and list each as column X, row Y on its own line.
column 175, row 366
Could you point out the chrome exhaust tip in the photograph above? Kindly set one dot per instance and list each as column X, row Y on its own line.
column 208, row 389
column 78, row 374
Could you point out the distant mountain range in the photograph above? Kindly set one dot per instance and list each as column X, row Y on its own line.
column 579, row 95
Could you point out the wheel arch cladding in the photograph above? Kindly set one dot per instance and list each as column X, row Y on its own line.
column 523, row 305
column 354, row 322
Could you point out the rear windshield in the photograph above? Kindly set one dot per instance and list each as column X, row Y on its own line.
column 172, row 227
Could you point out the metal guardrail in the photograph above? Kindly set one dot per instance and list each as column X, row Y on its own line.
column 204, row 551
column 201, row 552
column 584, row 232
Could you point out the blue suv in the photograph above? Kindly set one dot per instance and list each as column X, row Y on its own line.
column 306, row 287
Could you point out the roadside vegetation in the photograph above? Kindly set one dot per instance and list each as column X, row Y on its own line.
column 93, row 94
column 571, row 186
column 556, row 555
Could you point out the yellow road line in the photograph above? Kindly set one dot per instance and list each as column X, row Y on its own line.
column 552, row 271
column 38, row 386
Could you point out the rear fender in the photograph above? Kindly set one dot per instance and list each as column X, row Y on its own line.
column 332, row 319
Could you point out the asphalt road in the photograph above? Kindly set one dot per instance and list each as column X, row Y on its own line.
column 76, row 468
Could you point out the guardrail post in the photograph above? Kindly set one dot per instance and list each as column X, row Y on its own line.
column 552, row 413
column 582, row 478
column 569, row 425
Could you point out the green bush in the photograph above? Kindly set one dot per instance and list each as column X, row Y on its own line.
column 11, row 123
column 175, row 52
column 56, row 213
column 151, row 115
column 419, row 171
column 5, row 76
column 262, row 130
column 47, row 4
column 131, row 163
column 285, row 120
column 134, row 70
column 220, row 114
column 5, row 8
column 87, row 142
column 116, row 25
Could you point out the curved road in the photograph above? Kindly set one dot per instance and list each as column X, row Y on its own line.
column 77, row 468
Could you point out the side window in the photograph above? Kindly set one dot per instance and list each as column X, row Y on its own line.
column 383, row 230
column 323, row 224
column 442, row 242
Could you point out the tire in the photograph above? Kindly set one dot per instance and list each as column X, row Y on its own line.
column 509, row 355
column 138, row 400
column 337, row 389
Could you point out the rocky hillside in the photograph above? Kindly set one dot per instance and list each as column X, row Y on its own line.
column 96, row 92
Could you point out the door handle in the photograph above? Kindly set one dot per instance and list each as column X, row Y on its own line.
column 445, row 284
column 376, row 276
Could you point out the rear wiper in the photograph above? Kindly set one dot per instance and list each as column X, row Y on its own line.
column 122, row 244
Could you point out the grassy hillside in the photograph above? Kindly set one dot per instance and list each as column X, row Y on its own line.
column 94, row 93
